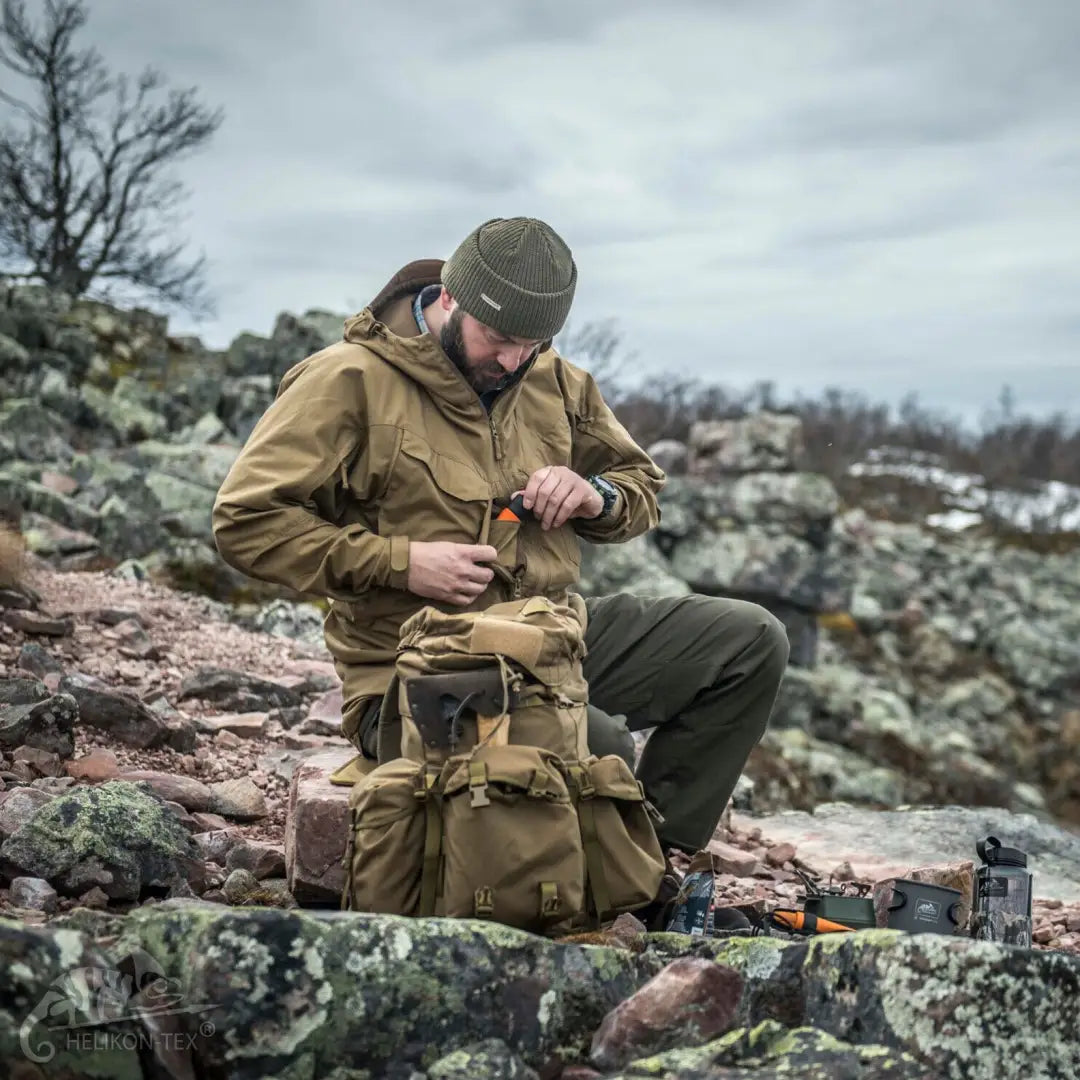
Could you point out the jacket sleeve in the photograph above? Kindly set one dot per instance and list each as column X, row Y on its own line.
column 603, row 447
column 274, row 516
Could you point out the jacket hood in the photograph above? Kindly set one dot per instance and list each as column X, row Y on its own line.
column 387, row 328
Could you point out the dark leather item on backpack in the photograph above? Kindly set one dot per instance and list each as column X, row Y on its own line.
column 437, row 702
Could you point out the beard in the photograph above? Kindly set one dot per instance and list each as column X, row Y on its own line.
column 452, row 341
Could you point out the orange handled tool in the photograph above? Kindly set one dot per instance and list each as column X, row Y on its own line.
column 515, row 511
column 806, row 922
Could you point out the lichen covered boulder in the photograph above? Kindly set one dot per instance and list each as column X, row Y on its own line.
column 118, row 836
column 291, row 995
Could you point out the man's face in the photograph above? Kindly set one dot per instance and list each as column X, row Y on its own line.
column 483, row 355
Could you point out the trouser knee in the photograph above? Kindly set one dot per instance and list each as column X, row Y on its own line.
column 608, row 734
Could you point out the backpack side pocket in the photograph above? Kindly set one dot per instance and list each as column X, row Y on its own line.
column 385, row 859
column 624, row 858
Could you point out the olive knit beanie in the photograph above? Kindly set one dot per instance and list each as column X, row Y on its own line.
column 515, row 275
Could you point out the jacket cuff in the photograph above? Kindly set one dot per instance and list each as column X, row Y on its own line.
column 399, row 562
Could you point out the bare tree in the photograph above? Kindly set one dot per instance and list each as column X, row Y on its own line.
column 85, row 198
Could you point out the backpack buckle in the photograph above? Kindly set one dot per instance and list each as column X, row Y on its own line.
column 484, row 902
column 478, row 784
column 550, row 904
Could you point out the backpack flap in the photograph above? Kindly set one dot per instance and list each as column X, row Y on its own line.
column 511, row 843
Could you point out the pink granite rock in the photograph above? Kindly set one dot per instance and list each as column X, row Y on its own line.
column 732, row 860
column 316, row 827
column 690, row 1002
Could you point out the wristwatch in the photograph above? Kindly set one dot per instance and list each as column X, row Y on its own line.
column 608, row 491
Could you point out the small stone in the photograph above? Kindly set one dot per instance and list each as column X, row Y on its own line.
column 180, row 734
column 843, row 872
column 94, row 898
column 324, row 716
column 117, row 616
column 238, row 690
column 1043, row 935
column 215, row 845
column 180, row 814
column 181, row 889
column 243, row 888
column 96, row 766
column 53, row 784
column 37, row 660
column 208, row 822
column 190, row 793
column 48, row 724
column 780, row 854
column 228, row 739
column 1072, row 924
column 732, row 860
column 214, row 896
column 44, row 762
column 122, row 715
column 34, row 894
column 135, row 643
column 245, row 725
column 238, row 884
column 238, row 799
column 1053, row 904
column 263, row 860
column 28, row 622
column 19, row 806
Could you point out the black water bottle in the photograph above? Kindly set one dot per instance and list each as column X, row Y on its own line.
column 1002, row 903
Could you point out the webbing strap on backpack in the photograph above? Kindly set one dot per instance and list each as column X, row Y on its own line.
column 433, row 830
column 590, row 842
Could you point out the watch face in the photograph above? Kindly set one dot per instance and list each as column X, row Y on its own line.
column 604, row 486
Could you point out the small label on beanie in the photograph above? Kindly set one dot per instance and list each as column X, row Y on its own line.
column 487, row 300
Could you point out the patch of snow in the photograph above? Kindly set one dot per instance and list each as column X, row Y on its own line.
column 954, row 520
column 1047, row 507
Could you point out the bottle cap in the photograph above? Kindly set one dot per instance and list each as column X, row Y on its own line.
column 993, row 854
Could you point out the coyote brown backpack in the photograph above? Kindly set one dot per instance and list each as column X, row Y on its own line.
column 495, row 809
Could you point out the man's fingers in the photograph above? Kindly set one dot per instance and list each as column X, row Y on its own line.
column 482, row 575
column 547, row 492
column 567, row 508
column 532, row 488
column 555, row 502
column 480, row 553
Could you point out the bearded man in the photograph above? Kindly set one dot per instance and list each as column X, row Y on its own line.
column 371, row 481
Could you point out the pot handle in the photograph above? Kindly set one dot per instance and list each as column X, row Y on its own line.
column 895, row 905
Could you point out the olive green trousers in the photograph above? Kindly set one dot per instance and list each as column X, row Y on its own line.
column 703, row 671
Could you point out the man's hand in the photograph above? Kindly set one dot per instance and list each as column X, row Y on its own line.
column 452, row 573
column 555, row 494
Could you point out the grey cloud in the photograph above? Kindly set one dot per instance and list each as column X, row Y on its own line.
column 879, row 196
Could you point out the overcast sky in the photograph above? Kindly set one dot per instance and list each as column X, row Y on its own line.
column 882, row 196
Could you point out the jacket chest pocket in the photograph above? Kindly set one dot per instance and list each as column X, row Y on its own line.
column 432, row 496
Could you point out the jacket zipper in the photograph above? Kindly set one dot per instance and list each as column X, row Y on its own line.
column 496, row 442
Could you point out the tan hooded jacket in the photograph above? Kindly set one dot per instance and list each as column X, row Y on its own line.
column 378, row 440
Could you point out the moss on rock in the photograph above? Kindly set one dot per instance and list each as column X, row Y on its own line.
column 117, row 835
